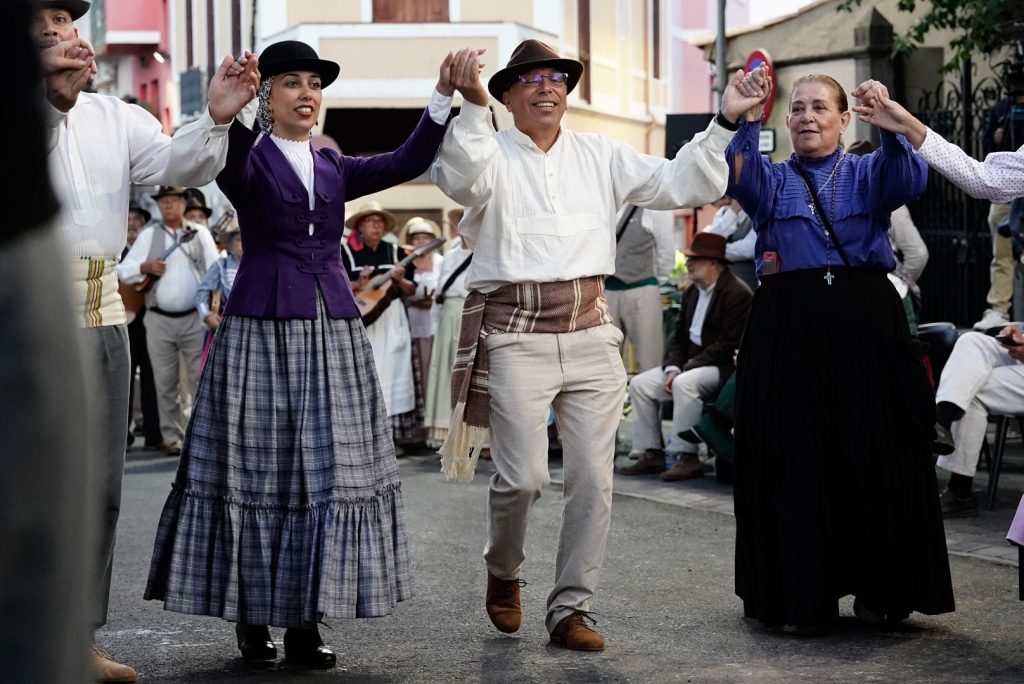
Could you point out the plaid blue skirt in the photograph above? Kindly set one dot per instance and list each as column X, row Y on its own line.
column 286, row 508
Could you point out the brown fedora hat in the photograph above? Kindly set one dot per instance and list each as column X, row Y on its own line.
column 532, row 54
column 707, row 246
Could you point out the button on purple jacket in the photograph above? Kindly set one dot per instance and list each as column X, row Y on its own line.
column 282, row 265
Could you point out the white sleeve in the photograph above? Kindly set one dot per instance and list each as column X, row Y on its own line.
column 742, row 249
column 439, row 107
column 128, row 270
column 723, row 223
column 908, row 240
column 1000, row 178
column 697, row 175
column 192, row 157
column 465, row 166
column 659, row 224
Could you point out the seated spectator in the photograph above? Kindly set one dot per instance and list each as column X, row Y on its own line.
column 700, row 358
column 983, row 377
column 732, row 223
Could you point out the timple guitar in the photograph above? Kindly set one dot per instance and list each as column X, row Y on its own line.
column 147, row 283
column 377, row 294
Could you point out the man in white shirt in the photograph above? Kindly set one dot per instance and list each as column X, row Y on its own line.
column 97, row 145
column 174, row 331
column 541, row 202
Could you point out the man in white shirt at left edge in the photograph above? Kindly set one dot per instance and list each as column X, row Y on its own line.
column 97, row 146
column 541, row 203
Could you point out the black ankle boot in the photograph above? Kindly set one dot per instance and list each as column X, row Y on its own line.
column 305, row 647
column 255, row 643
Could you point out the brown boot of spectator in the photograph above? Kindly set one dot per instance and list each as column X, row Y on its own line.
column 688, row 467
column 651, row 463
column 503, row 605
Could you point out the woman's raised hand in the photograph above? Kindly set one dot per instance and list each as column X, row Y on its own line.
column 746, row 94
column 878, row 109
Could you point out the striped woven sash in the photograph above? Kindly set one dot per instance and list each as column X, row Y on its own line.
column 559, row 307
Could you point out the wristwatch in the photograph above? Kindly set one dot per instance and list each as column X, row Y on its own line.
column 725, row 123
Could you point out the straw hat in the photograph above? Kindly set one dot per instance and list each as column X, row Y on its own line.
column 368, row 209
column 418, row 224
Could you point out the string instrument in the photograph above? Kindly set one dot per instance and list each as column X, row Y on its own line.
column 373, row 298
column 147, row 283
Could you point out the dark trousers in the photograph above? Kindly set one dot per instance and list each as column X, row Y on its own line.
column 147, row 390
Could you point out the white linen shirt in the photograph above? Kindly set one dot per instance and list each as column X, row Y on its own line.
column 535, row 216
column 700, row 313
column 101, row 146
column 175, row 291
column 1000, row 178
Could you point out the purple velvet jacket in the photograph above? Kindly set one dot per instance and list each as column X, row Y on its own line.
column 283, row 265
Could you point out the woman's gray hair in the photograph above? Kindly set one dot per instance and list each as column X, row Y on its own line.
column 263, row 117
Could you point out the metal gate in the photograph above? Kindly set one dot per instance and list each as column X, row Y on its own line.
column 954, row 225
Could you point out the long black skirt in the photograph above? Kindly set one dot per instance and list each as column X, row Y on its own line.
column 835, row 488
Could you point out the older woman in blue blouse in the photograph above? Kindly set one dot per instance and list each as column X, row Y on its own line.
column 835, row 488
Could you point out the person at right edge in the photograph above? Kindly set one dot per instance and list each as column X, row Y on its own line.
column 540, row 206
column 835, row 487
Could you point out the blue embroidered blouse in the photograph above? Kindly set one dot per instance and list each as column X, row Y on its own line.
column 866, row 191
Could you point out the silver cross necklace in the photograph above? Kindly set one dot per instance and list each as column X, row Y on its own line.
column 828, row 243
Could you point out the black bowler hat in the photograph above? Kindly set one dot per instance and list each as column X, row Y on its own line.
column 293, row 55
column 76, row 8
column 530, row 54
column 195, row 199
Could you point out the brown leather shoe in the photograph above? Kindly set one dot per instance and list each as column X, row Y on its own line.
column 503, row 605
column 573, row 633
column 651, row 463
column 172, row 449
column 106, row 670
column 688, row 467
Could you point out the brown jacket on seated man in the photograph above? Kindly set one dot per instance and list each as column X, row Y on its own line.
column 720, row 335
column 698, row 361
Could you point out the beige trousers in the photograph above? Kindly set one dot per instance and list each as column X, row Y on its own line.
column 581, row 375
column 637, row 313
column 1001, row 270
column 175, row 346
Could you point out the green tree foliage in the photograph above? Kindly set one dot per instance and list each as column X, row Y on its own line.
column 982, row 25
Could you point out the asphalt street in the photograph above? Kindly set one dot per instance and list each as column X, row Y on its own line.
column 666, row 607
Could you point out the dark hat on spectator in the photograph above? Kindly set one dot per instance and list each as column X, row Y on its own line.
column 76, row 8
column 293, row 55
column 707, row 246
column 530, row 54
column 171, row 191
column 195, row 199
column 146, row 216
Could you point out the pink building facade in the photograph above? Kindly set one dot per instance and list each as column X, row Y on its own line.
column 693, row 77
column 132, row 37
